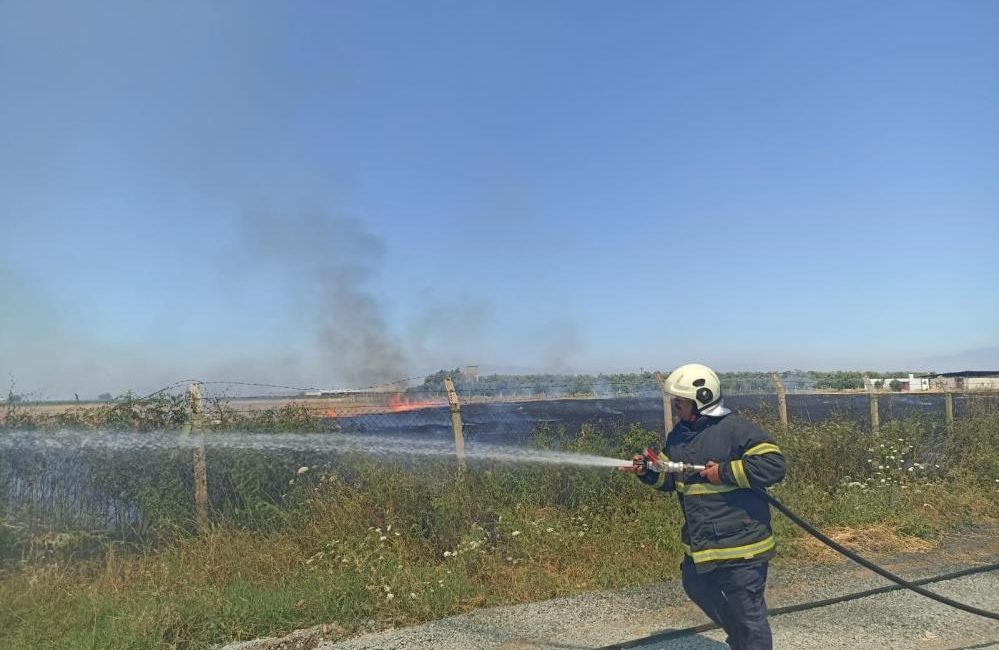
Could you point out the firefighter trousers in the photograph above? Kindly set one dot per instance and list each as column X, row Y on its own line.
column 732, row 597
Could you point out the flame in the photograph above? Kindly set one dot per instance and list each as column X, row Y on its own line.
column 329, row 413
column 397, row 404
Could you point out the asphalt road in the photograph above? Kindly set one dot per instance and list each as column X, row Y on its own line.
column 898, row 619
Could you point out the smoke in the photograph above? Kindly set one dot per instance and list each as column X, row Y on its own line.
column 562, row 343
column 448, row 332
column 329, row 266
column 29, row 327
column 45, row 354
column 313, row 315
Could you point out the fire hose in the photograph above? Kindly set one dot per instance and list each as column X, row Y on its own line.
column 798, row 607
column 650, row 462
column 867, row 564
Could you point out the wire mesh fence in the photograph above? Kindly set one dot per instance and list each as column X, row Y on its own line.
column 126, row 488
column 509, row 414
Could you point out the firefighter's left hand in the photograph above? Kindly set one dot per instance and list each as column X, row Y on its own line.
column 711, row 472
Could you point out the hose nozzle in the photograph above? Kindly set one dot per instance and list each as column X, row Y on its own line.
column 649, row 461
column 672, row 467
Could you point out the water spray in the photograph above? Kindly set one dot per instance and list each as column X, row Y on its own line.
column 648, row 460
column 389, row 448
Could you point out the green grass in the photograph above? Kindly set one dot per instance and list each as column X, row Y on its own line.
column 372, row 545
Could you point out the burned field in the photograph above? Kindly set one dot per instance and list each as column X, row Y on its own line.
column 514, row 422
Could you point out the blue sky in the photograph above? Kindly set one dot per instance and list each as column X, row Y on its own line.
column 340, row 193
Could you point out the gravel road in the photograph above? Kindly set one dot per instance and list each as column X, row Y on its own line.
column 899, row 619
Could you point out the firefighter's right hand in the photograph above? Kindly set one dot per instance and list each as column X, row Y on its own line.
column 637, row 465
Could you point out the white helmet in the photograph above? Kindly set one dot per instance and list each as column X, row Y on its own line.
column 695, row 382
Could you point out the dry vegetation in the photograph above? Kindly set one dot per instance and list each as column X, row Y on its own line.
column 367, row 545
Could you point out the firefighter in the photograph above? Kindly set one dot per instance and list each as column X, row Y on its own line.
column 727, row 536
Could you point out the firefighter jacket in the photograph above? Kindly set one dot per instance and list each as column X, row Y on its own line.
column 729, row 522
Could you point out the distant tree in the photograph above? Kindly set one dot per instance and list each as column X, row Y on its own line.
column 745, row 382
column 581, row 385
column 895, row 385
column 104, row 397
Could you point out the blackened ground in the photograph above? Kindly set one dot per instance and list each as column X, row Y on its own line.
column 513, row 422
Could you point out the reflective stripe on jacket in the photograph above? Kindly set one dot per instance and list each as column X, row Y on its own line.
column 727, row 522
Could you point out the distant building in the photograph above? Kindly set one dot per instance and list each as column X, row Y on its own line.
column 905, row 384
column 966, row 380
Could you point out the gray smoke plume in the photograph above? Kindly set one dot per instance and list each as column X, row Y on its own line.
column 331, row 263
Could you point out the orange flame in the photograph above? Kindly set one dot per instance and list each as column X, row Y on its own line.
column 397, row 404
column 329, row 413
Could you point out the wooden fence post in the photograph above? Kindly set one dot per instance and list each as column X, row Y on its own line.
column 667, row 406
column 459, row 438
column 200, row 468
column 949, row 407
column 781, row 399
column 875, row 414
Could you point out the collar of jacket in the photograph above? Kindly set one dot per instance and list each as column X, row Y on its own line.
column 713, row 416
column 700, row 424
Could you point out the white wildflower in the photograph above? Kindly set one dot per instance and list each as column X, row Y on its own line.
column 517, row 532
column 302, row 470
